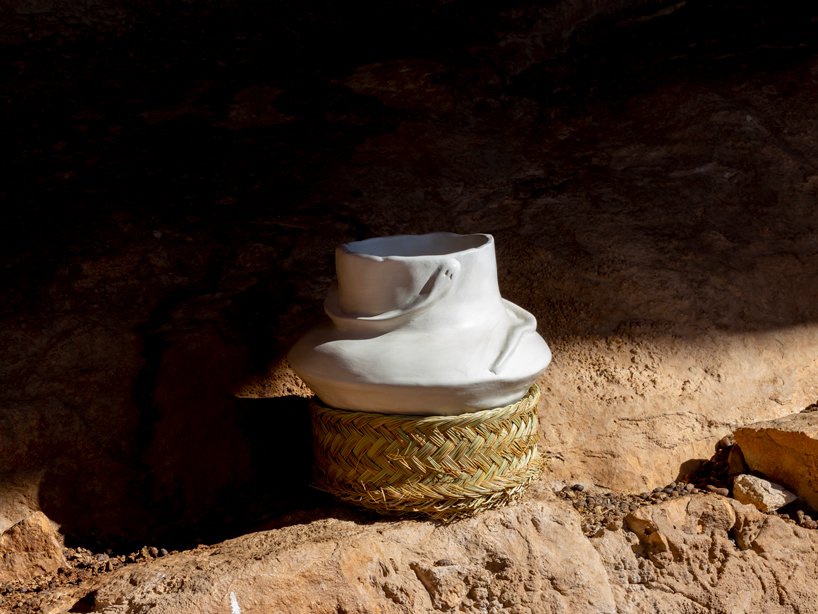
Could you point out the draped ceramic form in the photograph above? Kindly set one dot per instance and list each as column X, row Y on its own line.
column 417, row 326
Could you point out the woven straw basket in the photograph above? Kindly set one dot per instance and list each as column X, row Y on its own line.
column 443, row 467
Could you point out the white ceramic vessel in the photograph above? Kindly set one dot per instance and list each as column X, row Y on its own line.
column 417, row 326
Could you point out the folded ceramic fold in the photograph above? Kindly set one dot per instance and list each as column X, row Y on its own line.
column 417, row 326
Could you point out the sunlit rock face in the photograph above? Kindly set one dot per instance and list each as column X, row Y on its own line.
column 650, row 186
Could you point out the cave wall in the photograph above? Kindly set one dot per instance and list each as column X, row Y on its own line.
column 179, row 190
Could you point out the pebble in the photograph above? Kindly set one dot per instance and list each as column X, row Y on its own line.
column 614, row 524
column 163, row 552
column 726, row 442
column 153, row 551
column 600, row 511
column 719, row 491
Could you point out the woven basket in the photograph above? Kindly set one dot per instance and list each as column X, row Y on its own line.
column 443, row 467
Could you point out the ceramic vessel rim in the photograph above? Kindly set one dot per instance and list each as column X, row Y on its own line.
column 344, row 247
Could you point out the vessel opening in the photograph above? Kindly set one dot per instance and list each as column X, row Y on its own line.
column 436, row 244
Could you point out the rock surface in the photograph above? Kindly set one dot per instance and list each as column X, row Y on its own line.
column 697, row 554
column 530, row 557
column 30, row 548
column 763, row 494
column 710, row 554
column 785, row 450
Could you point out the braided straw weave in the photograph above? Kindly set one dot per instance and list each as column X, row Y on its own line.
column 444, row 467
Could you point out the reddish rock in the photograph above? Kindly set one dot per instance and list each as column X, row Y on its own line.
column 30, row 548
column 785, row 450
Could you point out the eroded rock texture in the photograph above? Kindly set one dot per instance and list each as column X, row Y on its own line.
column 178, row 192
column 699, row 554
column 785, row 450
column 531, row 557
column 30, row 548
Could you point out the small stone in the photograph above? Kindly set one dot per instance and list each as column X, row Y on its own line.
column 667, row 490
column 736, row 465
column 672, row 485
column 726, row 442
column 153, row 551
column 441, row 563
column 689, row 487
column 645, row 495
column 765, row 495
column 657, row 489
column 163, row 552
column 579, row 487
column 614, row 524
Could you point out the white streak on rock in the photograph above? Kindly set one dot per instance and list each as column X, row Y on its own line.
column 234, row 604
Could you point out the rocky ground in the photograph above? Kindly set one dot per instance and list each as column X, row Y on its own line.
column 74, row 586
column 648, row 170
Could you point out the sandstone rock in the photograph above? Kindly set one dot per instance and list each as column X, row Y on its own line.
column 530, row 557
column 694, row 554
column 785, row 450
column 763, row 494
column 30, row 548
column 708, row 554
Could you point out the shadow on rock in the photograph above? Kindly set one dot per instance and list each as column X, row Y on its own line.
column 242, row 463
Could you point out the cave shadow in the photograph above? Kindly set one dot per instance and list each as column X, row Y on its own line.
column 270, row 486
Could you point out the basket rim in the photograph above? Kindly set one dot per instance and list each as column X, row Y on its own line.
column 530, row 398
